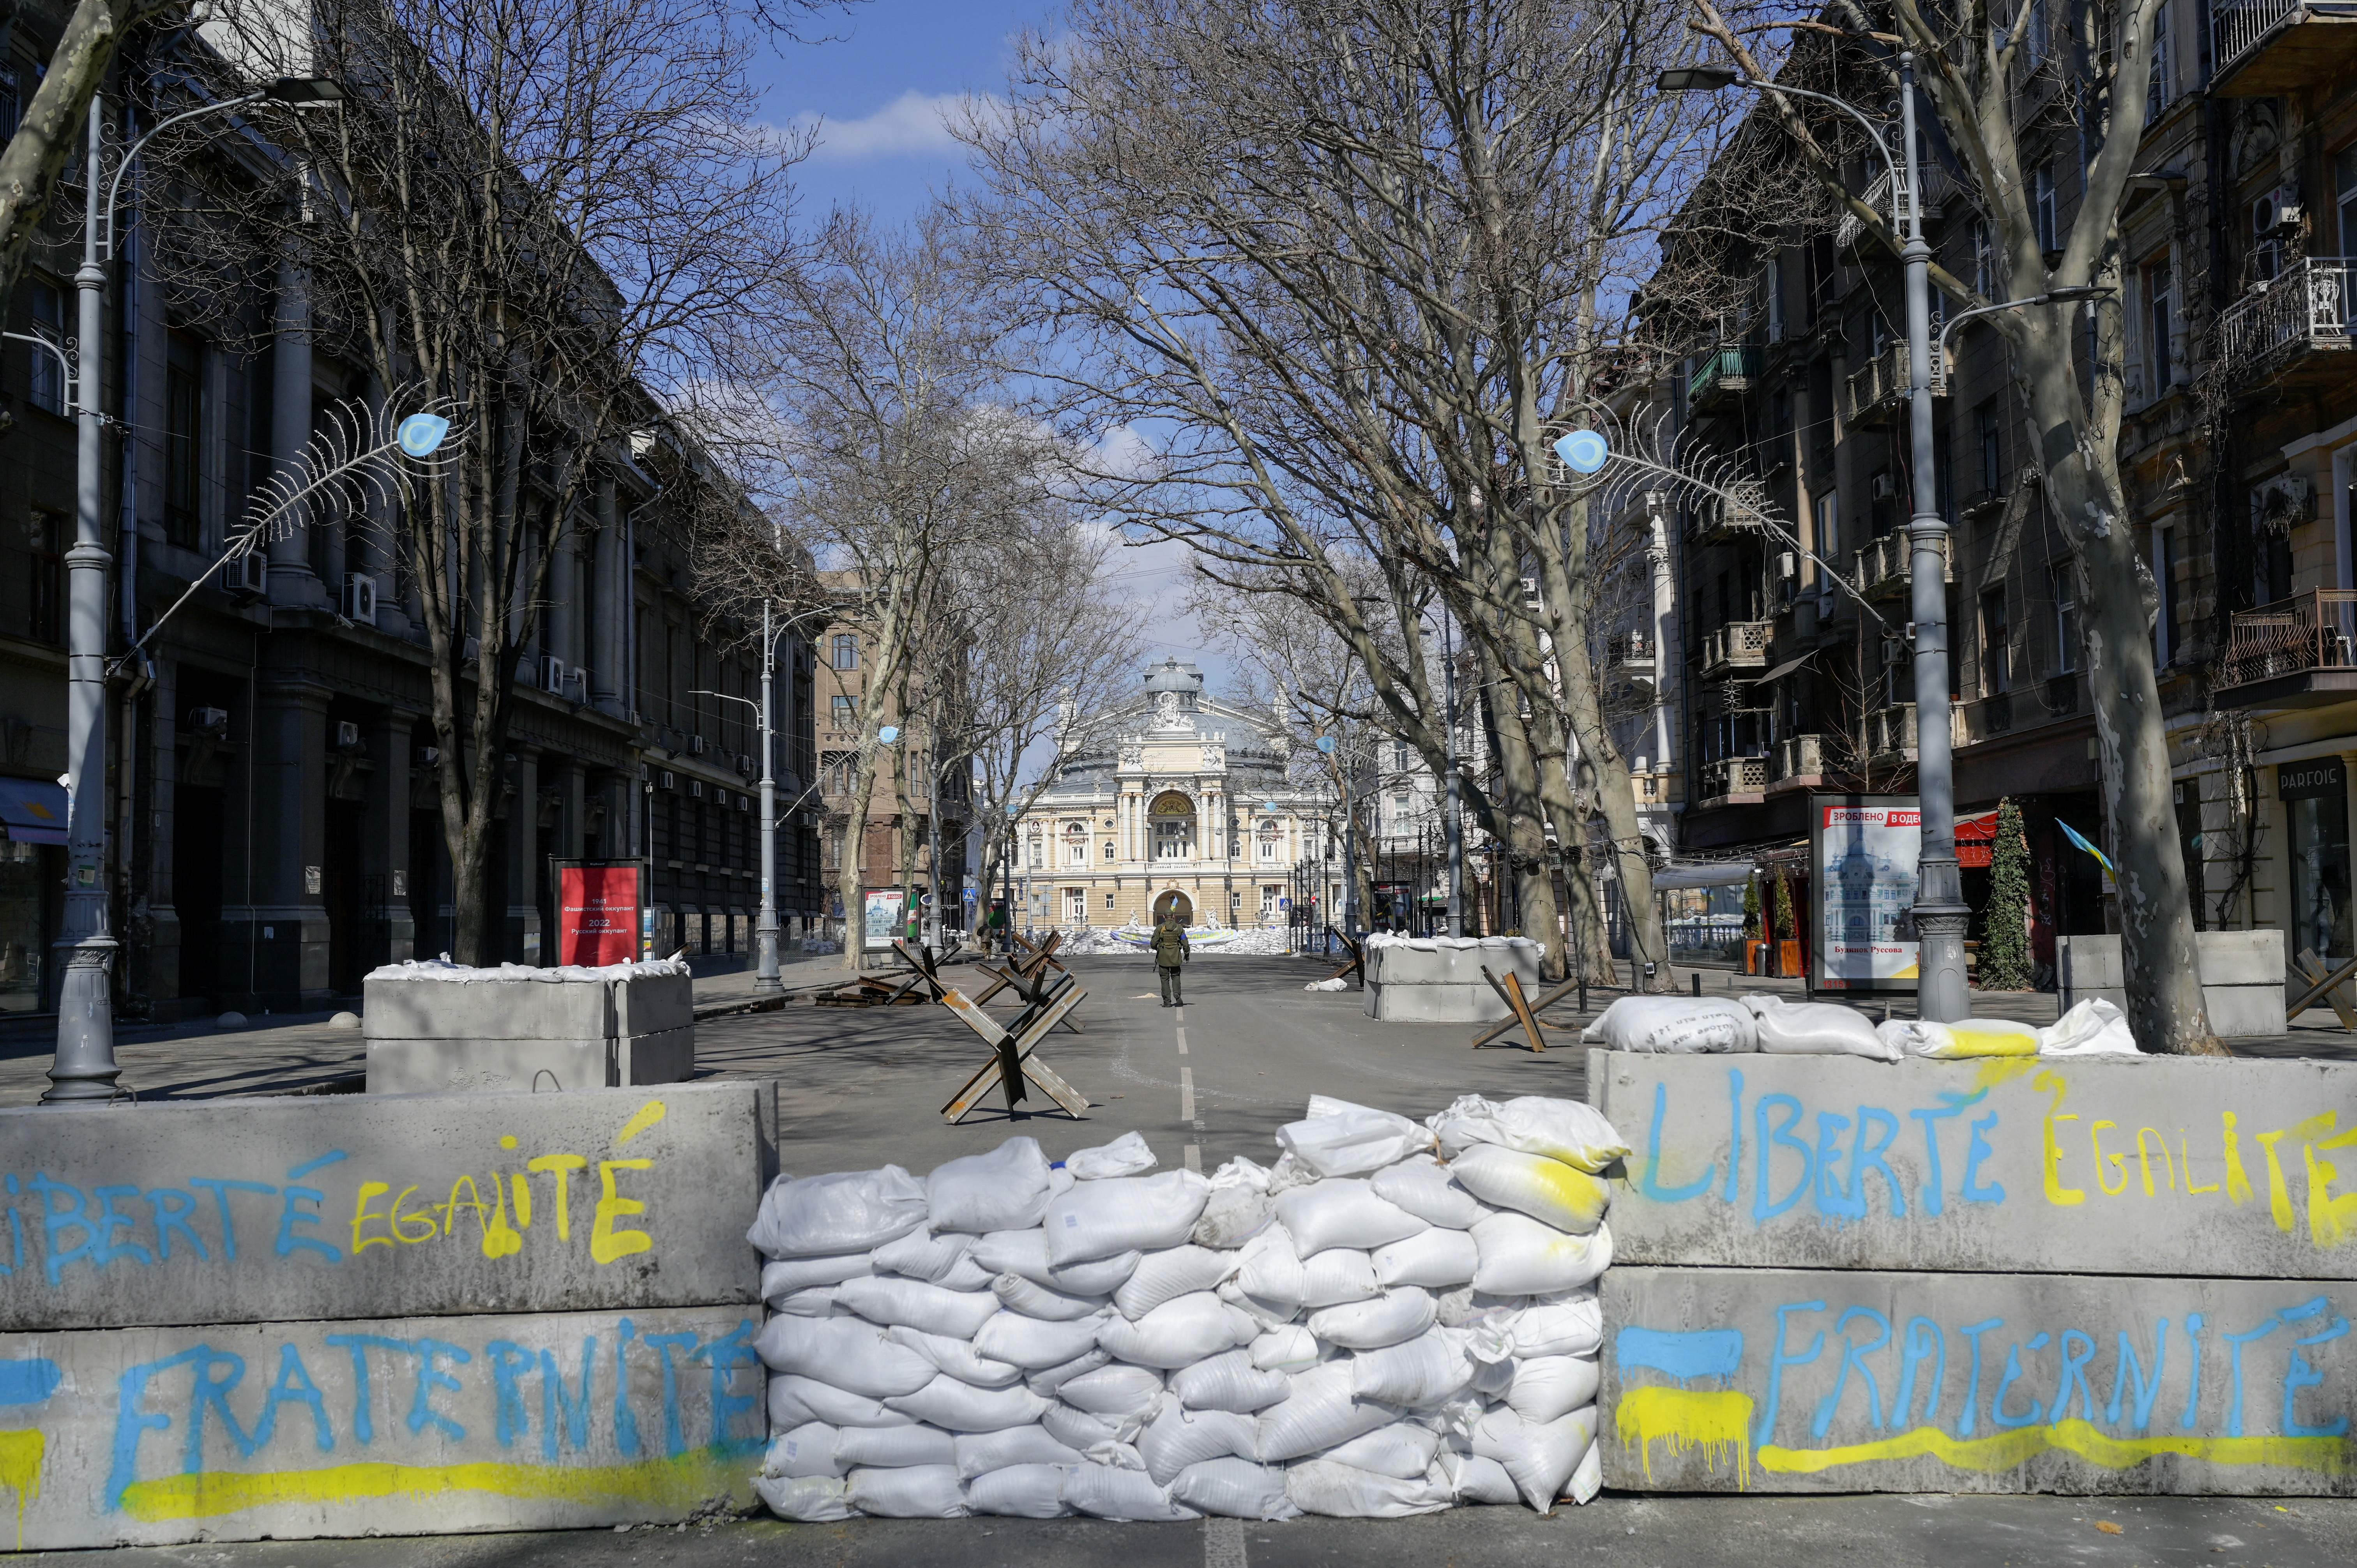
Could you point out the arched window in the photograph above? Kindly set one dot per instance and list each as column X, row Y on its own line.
column 1076, row 844
column 1268, row 840
column 1172, row 817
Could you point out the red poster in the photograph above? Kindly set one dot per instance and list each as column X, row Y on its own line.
column 597, row 913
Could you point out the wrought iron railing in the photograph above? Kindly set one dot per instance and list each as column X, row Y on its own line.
column 2240, row 29
column 2307, row 304
column 1727, row 368
column 2315, row 630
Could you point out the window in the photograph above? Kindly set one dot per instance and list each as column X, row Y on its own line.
column 1269, row 894
column 2033, row 37
column 1988, row 436
column 48, row 589
column 1076, row 902
column 1771, row 287
column 1997, row 645
column 2266, row 248
column 2159, row 326
column 842, row 712
column 1402, row 758
column 2344, row 185
column 1828, row 540
column 1108, row 903
column 2065, row 580
column 2160, row 86
column 1170, row 839
column 2042, row 193
column 184, row 406
column 1983, row 259
column 46, row 384
column 1108, row 849
column 1034, row 852
column 1076, row 846
column 846, row 651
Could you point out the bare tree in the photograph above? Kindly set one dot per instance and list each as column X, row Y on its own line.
column 545, row 212
column 1976, row 66
column 1357, row 264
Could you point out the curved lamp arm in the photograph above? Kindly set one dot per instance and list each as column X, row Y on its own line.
column 122, row 165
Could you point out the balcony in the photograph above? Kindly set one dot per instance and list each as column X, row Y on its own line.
column 2271, row 48
column 1885, row 565
column 1938, row 185
column 1721, row 378
column 1878, row 392
column 1891, row 733
column 1735, row 781
column 1738, row 645
column 1630, row 655
column 1716, row 520
column 1658, row 788
column 1799, row 763
column 2293, row 326
column 2300, row 653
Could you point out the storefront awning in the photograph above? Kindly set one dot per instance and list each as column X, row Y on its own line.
column 34, row 812
column 1726, row 874
column 1786, row 668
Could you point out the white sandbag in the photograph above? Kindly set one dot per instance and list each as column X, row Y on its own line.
column 1587, row 1477
column 957, row 1358
column 922, row 1255
column 1673, row 1024
column 1522, row 1257
column 1125, row 1156
column 1104, row 1218
column 1434, row 1258
column 887, row 1299
column 1167, row 1276
column 1114, row 1391
column 1340, row 1492
column 1048, row 1380
column 1024, row 1253
column 1238, row 1208
column 1077, row 1429
column 818, row 1301
column 1234, row 1488
column 1546, row 1388
column 1059, row 1181
column 1337, row 1275
column 1097, row 1276
column 1034, row 1343
column 1548, row 1191
column 843, row 1352
column 1539, row 1455
column 1331, row 982
column 1033, row 1299
column 926, row 1491
column 1318, row 1411
column 1424, row 1188
column 965, row 1274
column 981, row 1452
column 954, row 1406
column 807, row 1450
column 1571, row 1325
column 1178, row 1438
column 1265, row 1314
column 891, row 1447
column 2095, row 1027
column 1019, row 1491
column 1815, row 1029
column 797, row 1401
column 1434, row 1365
column 1005, row 1189
column 1340, row 1139
column 1291, row 1349
column 1104, row 1491
column 1965, row 1039
column 808, row 1500
column 1390, row 1318
column 1343, row 1213
column 1287, row 1174
column 1566, row 1130
column 787, row 1275
column 1227, row 1382
column 1403, row 1451
column 1269, row 1270
column 1178, row 1332
column 1475, row 1479
column 847, row 1212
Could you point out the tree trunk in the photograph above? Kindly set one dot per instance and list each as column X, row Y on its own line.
column 1527, row 831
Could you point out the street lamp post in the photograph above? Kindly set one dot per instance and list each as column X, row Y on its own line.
column 84, row 1070
column 1941, row 914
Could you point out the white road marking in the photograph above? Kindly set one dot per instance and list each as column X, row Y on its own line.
column 1195, row 1158
column 1223, row 1543
column 1183, row 1042
column 1185, row 1094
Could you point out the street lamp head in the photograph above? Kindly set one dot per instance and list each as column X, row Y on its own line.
column 2077, row 292
column 303, row 91
column 1697, row 79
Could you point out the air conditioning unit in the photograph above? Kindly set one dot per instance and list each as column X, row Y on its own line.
column 695, row 788
column 348, row 735
column 744, row 802
column 1788, row 565
column 1530, row 593
column 553, row 672
column 429, row 756
column 360, row 597
column 209, row 721
column 246, row 575
column 2277, row 211
column 669, row 780
column 580, row 684
column 696, row 744
column 1881, row 486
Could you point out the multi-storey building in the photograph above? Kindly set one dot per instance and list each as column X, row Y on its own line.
column 274, row 819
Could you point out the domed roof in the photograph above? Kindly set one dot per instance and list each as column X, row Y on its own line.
column 1170, row 675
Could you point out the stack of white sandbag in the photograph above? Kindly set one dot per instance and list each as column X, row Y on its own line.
column 1679, row 1024
column 1393, row 1319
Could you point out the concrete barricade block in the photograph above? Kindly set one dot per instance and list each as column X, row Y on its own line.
column 358, row 1205
column 489, row 1067
column 668, row 1057
column 2102, row 1165
column 1780, row 1380
column 488, row 1010
column 1436, row 980
column 2243, row 975
column 423, row 1425
column 651, row 1003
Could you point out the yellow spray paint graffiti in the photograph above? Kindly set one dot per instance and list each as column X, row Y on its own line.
column 1717, row 1422
column 1989, row 1455
column 20, row 1471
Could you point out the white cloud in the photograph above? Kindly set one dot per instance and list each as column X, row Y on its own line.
column 913, row 124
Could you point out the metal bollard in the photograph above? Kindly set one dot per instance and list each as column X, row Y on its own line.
column 1583, row 996
column 1698, row 982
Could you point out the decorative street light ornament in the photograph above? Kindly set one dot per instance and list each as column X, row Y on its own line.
column 1583, row 451
column 421, row 433
column 888, row 734
column 1326, row 744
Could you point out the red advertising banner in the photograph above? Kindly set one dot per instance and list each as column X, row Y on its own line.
column 598, row 911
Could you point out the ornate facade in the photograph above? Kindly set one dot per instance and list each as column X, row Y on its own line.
column 1180, row 801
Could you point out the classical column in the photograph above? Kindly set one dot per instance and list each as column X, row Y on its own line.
column 608, row 682
column 384, row 841
column 286, row 923
column 292, row 581
column 163, row 912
